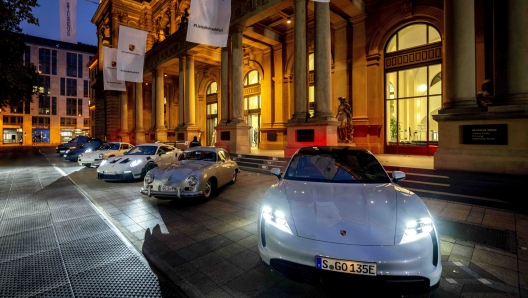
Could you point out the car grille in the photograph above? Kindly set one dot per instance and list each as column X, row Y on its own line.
column 127, row 176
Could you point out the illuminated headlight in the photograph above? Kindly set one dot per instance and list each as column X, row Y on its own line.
column 276, row 218
column 416, row 229
column 192, row 180
column 101, row 155
column 104, row 162
column 67, row 151
column 88, row 150
column 72, row 147
column 135, row 163
column 149, row 177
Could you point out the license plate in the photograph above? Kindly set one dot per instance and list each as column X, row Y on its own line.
column 345, row 266
column 109, row 173
column 168, row 188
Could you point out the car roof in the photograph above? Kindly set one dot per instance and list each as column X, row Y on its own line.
column 316, row 150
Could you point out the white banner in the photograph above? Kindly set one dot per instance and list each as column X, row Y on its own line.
column 68, row 20
column 110, row 70
column 131, row 54
column 209, row 22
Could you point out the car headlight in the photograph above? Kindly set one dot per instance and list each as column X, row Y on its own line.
column 88, row 150
column 67, row 151
column 276, row 218
column 104, row 162
column 149, row 177
column 192, row 180
column 416, row 229
column 101, row 155
column 135, row 163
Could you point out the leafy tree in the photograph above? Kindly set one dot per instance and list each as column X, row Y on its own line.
column 17, row 80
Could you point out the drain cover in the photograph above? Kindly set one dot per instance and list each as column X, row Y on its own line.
column 473, row 233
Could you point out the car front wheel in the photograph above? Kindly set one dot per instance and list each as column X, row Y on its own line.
column 208, row 190
column 234, row 179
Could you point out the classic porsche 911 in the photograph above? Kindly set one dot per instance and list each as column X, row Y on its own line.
column 198, row 173
column 137, row 162
column 337, row 218
column 107, row 150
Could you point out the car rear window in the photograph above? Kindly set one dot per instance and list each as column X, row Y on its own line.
column 337, row 167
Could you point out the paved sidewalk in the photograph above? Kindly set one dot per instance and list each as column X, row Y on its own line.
column 210, row 248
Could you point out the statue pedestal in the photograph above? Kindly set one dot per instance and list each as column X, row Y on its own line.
column 305, row 134
column 492, row 142
column 233, row 137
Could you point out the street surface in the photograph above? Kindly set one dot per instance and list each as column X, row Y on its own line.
column 204, row 248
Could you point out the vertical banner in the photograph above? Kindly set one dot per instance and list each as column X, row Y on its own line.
column 110, row 70
column 209, row 22
column 131, row 54
column 68, row 20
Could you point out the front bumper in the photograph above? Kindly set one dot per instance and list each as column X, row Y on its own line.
column 182, row 193
column 116, row 177
column 71, row 157
column 89, row 162
column 408, row 267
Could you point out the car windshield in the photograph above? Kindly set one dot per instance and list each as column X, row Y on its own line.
column 143, row 150
column 198, row 155
column 89, row 144
column 105, row 146
column 338, row 166
column 114, row 146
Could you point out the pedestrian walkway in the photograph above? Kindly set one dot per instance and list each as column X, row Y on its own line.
column 54, row 243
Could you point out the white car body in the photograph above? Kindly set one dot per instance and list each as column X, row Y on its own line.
column 384, row 231
column 137, row 162
column 108, row 150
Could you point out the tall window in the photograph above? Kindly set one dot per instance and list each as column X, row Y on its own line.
column 62, row 86
column 27, row 56
column 54, row 62
column 45, row 85
column 44, row 61
column 413, row 93
column 54, row 106
column 211, row 113
column 80, row 66
column 79, row 106
column 71, row 65
column 311, row 87
column 71, row 106
column 85, row 88
column 252, row 106
column 44, row 105
column 71, row 87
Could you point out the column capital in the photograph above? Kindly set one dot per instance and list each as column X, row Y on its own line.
column 238, row 28
column 358, row 19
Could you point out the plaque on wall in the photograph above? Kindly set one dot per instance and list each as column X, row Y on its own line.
column 181, row 136
column 271, row 136
column 484, row 134
column 305, row 135
column 225, row 135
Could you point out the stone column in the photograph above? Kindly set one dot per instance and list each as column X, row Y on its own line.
column 224, row 85
column 190, row 95
column 238, row 77
column 124, row 111
column 161, row 130
column 340, row 81
column 510, row 58
column 181, row 91
column 323, row 62
column 138, row 98
column 153, row 102
column 173, row 17
column 300, row 63
column 459, row 57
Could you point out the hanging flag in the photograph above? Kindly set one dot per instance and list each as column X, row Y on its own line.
column 110, row 70
column 131, row 54
column 209, row 22
column 68, row 20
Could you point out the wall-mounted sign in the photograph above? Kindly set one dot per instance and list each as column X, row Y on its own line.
column 305, row 135
column 484, row 134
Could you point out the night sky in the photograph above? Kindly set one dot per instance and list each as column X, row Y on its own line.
column 48, row 16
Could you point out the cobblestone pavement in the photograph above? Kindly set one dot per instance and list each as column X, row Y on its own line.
column 210, row 248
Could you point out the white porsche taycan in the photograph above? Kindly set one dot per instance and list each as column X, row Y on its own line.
column 337, row 218
column 137, row 162
column 107, row 150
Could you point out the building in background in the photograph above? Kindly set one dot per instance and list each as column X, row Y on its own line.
column 409, row 69
column 61, row 110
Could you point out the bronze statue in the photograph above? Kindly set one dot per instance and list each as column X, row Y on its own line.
column 345, row 129
column 485, row 98
column 184, row 18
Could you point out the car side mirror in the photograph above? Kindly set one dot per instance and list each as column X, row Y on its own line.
column 276, row 172
column 397, row 176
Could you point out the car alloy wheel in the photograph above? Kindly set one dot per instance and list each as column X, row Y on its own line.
column 208, row 190
column 234, row 177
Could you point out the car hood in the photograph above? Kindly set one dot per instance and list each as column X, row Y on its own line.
column 178, row 171
column 358, row 214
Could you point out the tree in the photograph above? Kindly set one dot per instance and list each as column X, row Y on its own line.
column 18, row 81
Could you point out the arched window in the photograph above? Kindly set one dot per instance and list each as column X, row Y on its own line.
column 212, row 88
column 413, row 90
column 252, row 77
column 252, row 106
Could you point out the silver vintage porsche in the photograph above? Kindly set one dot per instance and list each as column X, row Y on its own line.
column 198, row 173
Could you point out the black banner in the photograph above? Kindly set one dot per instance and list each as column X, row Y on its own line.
column 484, row 134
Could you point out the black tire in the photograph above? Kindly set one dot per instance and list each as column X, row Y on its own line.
column 234, row 179
column 208, row 190
column 149, row 166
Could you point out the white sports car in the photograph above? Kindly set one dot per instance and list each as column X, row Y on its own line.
column 337, row 218
column 108, row 150
column 137, row 162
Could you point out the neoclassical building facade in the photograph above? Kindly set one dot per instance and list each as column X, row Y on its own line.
column 411, row 71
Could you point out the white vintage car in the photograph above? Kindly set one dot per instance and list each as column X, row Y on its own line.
column 108, row 150
column 337, row 218
column 137, row 162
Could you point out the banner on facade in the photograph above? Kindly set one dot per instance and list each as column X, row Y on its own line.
column 209, row 22
column 110, row 71
column 131, row 54
column 68, row 20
